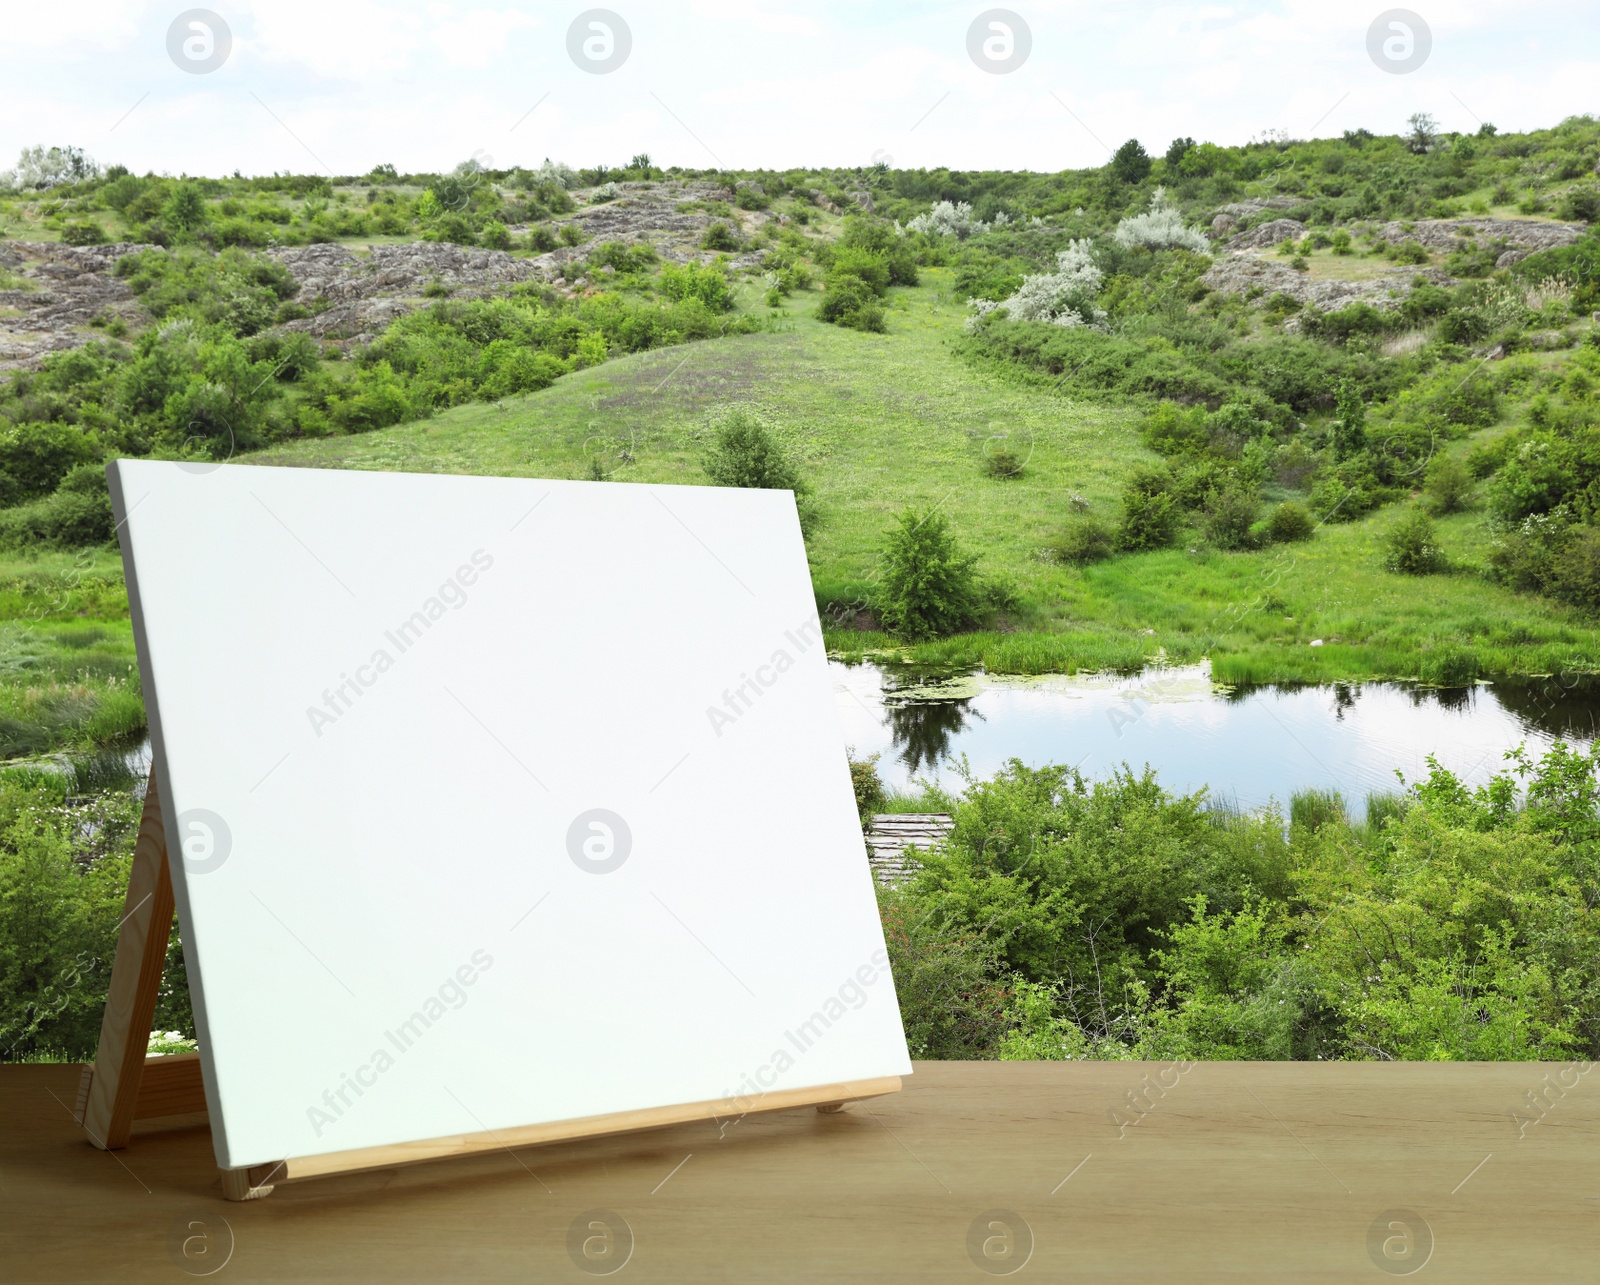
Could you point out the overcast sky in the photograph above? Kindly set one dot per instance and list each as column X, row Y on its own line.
column 341, row 85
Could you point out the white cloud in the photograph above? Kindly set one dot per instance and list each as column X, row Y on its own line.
column 761, row 82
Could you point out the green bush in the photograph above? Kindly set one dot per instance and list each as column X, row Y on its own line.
column 1448, row 488
column 58, row 920
column 1129, row 922
column 1085, row 541
column 870, row 796
column 1412, row 252
column 1411, row 547
column 83, row 232
column 719, row 236
column 1229, row 515
column 1463, row 326
column 1150, row 513
column 35, row 457
column 1289, row 522
column 1574, row 574
column 850, row 302
column 951, row 1004
column 1002, row 462
column 78, row 514
column 705, row 282
column 745, row 453
column 929, row 588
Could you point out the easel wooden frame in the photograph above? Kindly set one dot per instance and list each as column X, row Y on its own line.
column 124, row 1085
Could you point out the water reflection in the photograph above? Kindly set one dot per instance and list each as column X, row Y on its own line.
column 925, row 710
column 924, row 729
column 1251, row 744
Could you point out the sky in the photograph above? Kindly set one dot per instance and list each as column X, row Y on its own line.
column 338, row 86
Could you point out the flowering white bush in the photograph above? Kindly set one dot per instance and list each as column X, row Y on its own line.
column 607, row 192
column 945, row 219
column 559, row 174
column 1159, row 228
column 1064, row 297
column 40, row 168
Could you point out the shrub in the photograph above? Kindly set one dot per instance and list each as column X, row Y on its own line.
column 1086, row 541
column 929, row 588
column 1449, row 485
column 1149, row 511
column 35, row 457
column 1413, row 252
column 1463, row 326
column 1229, row 515
column 76, row 516
column 1574, row 575
column 951, row 1005
column 83, row 232
column 1350, row 424
column 849, row 301
column 1411, row 546
column 1001, row 462
column 870, row 796
column 1289, row 522
column 745, row 453
column 1160, row 228
column 705, row 282
column 719, row 236
column 1171, row 429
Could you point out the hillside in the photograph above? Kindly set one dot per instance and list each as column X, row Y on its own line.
column 1181, row 406
column 882, row 422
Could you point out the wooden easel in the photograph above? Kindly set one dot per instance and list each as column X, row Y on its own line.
column 124, row 1085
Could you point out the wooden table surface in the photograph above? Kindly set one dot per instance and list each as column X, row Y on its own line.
column 1254, row 1171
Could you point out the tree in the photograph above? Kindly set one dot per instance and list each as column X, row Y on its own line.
column 39, row 169
column 1180, row 148
column 928, row 589
column 1350, row 428
column 1131, row 164
column 1424, row 133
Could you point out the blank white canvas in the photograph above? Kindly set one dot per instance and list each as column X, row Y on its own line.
column 653, row 651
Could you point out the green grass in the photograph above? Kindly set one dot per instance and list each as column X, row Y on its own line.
column 68, row 679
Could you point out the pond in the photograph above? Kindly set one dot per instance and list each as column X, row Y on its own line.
column 1248, row 745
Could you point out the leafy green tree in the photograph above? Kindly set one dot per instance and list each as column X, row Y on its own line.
column 1131, row 163
column 929, row 589
column 1180, row 148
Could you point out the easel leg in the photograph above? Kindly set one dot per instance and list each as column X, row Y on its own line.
column 113, row 1081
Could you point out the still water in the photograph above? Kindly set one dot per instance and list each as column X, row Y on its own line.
column 1248, row 744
